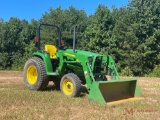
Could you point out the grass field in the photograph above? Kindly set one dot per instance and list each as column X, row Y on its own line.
column 19, row 103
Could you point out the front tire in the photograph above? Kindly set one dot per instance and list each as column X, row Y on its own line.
column 35, row 77
column 70, row 85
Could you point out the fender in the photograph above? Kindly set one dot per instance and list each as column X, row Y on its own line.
column 47, row 61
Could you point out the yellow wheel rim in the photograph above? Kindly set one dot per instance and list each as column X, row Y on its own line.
column 67, row 86
column 32, row 74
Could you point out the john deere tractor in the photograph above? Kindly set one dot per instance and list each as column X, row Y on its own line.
column 72, row 68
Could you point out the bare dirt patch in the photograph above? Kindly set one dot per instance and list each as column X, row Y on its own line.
column 11, row 77
column 11, row 73
column 11, row 80
column 4, row 89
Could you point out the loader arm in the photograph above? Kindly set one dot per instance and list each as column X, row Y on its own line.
column 110, row 91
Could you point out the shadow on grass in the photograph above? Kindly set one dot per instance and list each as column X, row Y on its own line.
column 84, row 91
column 52, row 87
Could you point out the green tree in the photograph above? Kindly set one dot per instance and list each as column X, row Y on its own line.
column 97, row 36
column 146, row 17
column 125, row 38
column 66, row 19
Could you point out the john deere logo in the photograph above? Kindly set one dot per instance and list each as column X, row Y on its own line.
column 71, row 55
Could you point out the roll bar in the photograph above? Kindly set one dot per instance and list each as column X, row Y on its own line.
column 37, row 43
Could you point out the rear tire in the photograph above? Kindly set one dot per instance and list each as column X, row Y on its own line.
column 70, row 85
column 35, row 77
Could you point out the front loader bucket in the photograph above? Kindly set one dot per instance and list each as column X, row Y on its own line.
column 114, row 91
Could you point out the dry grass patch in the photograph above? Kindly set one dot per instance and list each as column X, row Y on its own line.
column 19, row 103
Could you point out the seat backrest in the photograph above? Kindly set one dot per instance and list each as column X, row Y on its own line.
column 51, row 49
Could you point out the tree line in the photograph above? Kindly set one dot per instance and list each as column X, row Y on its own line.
column 130, row 34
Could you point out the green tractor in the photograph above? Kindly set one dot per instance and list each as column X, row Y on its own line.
column 70, row 69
